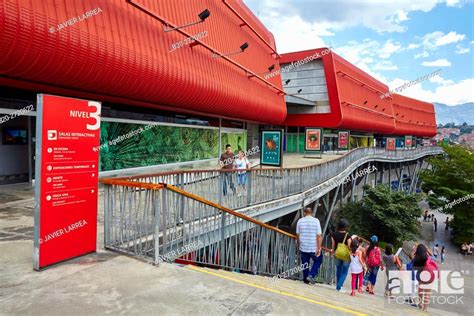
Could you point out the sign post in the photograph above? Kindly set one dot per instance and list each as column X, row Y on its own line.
column 65, row 221
column 271, row 144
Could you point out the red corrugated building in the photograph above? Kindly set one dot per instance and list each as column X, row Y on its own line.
column 122, row 54
column 206, row 84
column 331, row 93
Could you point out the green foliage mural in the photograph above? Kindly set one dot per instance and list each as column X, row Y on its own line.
column 238, row 141
column 157, row 145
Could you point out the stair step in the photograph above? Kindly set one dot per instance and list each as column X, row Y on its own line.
column 326, row 294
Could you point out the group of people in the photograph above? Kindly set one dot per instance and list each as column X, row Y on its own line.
column 363, row 262
column 467, row 248
column 229, row 161
column 431, row 218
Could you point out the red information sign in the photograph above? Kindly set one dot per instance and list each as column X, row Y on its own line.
column 391, row 143
column 343, row 140
column 408, row 141
column 66, row 178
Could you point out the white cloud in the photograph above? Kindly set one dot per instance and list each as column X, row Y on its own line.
column 385, row 65
column 440, row 81
column 461, row 50
column 437, row 63
column 389, row 48
column 447, row 92
column 423, row 54
column 299, row 25
column 452, row 3
column 432, row 41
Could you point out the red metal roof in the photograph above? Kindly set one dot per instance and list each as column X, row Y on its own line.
column 122, row 55
column 356, row 103
column 413, row 117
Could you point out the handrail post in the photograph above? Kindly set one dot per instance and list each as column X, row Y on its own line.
column 249, row 188
column 156, row 210
column 107, row 215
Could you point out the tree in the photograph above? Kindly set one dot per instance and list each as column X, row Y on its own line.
column 451, row 178
column 392, row 216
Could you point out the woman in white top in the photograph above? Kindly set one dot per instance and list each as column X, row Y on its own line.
column 241, row 164
column 357, row 266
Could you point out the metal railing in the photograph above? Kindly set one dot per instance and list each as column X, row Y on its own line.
column 146, row 220
column 158, row 217
column 263, row 185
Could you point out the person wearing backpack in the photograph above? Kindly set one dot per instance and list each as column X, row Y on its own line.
column 374, row 262
column 341, row 241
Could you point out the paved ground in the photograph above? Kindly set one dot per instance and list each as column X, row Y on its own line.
column 106, row 282
column 454, row 262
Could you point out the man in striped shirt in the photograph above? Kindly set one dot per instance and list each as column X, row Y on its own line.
column 308, row 231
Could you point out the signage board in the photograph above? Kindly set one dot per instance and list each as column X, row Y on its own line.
column 343, row 140
column 272, row 145
column 391, row 143
column 408, row 141
column 65, row 222
column 313, row 137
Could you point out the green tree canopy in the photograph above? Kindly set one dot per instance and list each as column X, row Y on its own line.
column 392, row 216
column 451, row 179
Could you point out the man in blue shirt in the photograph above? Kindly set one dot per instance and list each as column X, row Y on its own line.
column 308, row 231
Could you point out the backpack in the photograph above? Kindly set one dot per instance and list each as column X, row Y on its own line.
column 374, row 258
column 342, row 251
column 432, row 267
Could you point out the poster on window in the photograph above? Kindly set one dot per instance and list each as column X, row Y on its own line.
column 313, row 138
column 391, row 143
column 271, row 144
column 343, row 140
column 408, row 141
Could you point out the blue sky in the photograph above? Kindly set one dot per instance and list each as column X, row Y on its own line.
column 394, row 41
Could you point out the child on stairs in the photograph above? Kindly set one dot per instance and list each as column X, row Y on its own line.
column 357, row 266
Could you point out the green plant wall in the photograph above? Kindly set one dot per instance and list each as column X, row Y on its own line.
column 157, row 145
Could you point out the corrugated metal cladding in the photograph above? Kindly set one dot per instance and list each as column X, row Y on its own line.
column 123, row 54
column 413, row 117
column 356, row 102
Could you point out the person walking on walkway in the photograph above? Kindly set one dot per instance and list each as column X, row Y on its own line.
column 374, row 263
column 392, row 263
column 241, row 164
column 443, row 254
column 309, row 239
column 357, row 266
column 436, row 252
column 447, row 223
column 341, row 241
column 226, row 162
column 435, row 223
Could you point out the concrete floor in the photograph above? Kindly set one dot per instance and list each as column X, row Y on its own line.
column 106, row 282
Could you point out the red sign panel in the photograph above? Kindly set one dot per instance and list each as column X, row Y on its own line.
column 408, row 141
column 313, row 139
column 343, row 140
column 391, row 143
column 66, row 178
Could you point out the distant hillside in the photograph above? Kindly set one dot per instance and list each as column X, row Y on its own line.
column 458, row 114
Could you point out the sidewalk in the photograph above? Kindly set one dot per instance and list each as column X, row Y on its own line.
column 454, row 261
